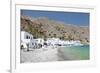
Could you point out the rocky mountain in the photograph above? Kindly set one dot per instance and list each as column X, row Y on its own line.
column 43, row 27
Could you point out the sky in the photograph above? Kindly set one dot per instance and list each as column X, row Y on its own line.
column 75, row 18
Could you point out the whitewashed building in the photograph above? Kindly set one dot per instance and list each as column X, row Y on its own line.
column 40, row 41
column 28, row 39
column 58, row 42
column 52, row 41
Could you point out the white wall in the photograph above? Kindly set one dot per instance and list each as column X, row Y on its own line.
column 5, row 38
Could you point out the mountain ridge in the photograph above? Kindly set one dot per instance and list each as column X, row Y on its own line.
column 44, row 27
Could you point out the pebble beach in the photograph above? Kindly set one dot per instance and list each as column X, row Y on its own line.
column 39, row 55
column 50, row 53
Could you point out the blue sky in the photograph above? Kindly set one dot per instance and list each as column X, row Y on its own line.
column 76, row 18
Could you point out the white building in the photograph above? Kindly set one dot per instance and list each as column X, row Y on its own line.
column 52, row 41
column 40, row 41
column 70, row 43
column 27, row 38
column 58, row 42
column 27, row 41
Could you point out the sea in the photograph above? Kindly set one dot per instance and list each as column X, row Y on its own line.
column 78, row 52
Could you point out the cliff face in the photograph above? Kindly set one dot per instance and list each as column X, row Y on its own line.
column 46, row 28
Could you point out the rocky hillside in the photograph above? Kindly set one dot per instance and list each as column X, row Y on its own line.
column 46, row 28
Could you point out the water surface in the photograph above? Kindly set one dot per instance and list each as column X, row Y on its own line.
column 78, row 52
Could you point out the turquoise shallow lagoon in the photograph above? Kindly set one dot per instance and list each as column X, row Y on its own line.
column 78, row 52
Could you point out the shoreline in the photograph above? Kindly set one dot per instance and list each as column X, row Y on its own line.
column 47, row 54
column 65, row 56
column 74, row 53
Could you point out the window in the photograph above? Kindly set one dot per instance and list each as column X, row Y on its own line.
column 26, row 36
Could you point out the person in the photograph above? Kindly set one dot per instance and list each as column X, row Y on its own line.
column 27, row 47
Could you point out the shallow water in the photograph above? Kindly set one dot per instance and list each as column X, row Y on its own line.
column 78, row 52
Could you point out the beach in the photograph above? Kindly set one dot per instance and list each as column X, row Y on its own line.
column 49, row 54
column 39, row 55
column 47, row 36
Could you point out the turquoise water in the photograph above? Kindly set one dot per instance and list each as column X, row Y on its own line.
column 78, row 52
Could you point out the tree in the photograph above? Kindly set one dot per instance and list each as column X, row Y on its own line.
column 70, row 37
column 58, row 28
column 62, row 37
column 45, row 37
column 55, row 35
column 49, row 34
